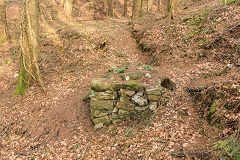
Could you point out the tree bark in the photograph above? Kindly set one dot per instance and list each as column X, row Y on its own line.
column 136, row 9
column 175, row 8
column 105, row 6
column 149, row 6
column 159, row 4
column 3, row 20
column 141, row 8
column 62, row 2
column 29, row 69
column 110, row 8
column 68, row 7
column 125, row 8
column 169, row 8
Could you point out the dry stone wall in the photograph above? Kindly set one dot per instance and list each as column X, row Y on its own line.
column 111, row 101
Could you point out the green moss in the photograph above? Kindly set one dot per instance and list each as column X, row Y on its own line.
column 210, row 114
column 229, row 1
column 228, row 147
column 23, row 80
column 198, row 18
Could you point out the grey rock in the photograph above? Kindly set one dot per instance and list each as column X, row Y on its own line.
column 153, row 106
column 98, row 126
column 154, row 91
column 115, row 109
column 148, row 75
column 139, row 100
column 140, row 109
column 139, row 93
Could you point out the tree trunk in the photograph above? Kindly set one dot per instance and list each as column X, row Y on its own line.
column 136, row 9
column 62, row 2
column 159, row 4
column 105, row 5
column 29, row 70
column 149, row 6
column 175, row 8
column 68, row 7
column 141, row 8
column 110, row 8
column 125, row 8
column 3, row 20
column 169, row 8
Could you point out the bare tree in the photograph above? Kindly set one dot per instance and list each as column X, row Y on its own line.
column 172, row 8
column 169, row 8
column 3, row 20
column 125, row 8
column 105, row 5
column 68, row 7
column 159, row 4
column 137, row 4
column 175, row 7
column 110, row 8
column 149, row 6
column 29, row 69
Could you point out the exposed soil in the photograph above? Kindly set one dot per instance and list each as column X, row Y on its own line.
column 56, row 124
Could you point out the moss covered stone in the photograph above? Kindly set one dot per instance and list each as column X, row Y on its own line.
column 140, row 109
column 153, row 106
column 107, row 95
column 99, row 86
column 128, row 106
column 125, row 92
column 133, row 75
column 154, row 98
column 154, row 91
column 123, row 113
column 99, row 113
column 102, row 104
column 133, row 86
column 105, row 120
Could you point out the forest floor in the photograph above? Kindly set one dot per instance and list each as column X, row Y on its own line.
column 56, row 124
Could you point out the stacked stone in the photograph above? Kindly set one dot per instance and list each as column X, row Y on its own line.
column 130, row 98
column 110, row 102
column 154, row 95
column 103, row 100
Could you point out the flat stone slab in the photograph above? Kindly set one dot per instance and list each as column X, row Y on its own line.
column 154, row 91
column 133, row 86
column 107, row 95
column 102, row 104
column 105, row 120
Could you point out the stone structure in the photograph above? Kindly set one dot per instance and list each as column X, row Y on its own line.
column 110, row 101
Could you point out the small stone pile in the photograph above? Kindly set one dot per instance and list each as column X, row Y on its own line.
column 111, row 101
